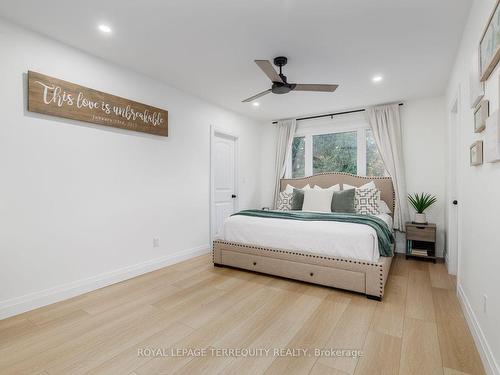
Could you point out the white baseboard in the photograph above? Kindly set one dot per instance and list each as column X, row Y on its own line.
column 45, row 297
column 490, row 365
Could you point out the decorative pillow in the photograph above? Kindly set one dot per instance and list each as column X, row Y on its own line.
column 289, row 188
column 284, row 201
column 366, row 201
column 317, row 200
column 382, row 206
column 343, row 201
column 297, row 199
column 334, row 187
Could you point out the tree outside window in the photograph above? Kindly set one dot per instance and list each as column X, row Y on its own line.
column 374, row 164
column 337, row 152
column 298, row 157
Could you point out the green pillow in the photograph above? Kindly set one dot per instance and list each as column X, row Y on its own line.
column 297, row 199
column 343, row 201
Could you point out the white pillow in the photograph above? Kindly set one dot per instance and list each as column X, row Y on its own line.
column 383, row 207
column 317, row 200
column 369, row 185
column 289, row 188
column 334, row 187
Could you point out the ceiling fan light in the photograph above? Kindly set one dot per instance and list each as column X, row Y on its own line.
column 104, row 28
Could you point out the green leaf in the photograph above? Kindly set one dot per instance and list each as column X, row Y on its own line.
column 421, row 202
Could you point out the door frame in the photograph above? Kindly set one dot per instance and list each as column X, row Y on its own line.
column 214, row 130
column 452, row 259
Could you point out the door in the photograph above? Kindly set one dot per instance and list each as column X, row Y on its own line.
column 452, row 204
column 224, row 188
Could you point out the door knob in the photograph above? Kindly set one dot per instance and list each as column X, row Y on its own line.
column 233, row 196
column 455, row 202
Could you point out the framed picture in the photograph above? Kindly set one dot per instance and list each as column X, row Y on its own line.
column 476, row 153
column 476, row 87
column 492, row 139
column 489, row 46
column 481, row 113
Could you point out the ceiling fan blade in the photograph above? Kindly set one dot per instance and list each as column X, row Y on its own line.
column 256, row 96
column 268, row 69
column 314, row 87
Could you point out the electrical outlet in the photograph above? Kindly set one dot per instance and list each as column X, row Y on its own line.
column 156, row 242
column 485, row 305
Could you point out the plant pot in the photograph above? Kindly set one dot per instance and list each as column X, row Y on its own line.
column 420, row 218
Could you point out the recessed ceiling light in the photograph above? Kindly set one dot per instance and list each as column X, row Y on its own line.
column 255, row 104
column 104, row 28
column 377, row 79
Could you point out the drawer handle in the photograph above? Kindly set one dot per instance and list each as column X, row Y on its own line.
column 254, row 263
column 420, row 227
column 312, row 274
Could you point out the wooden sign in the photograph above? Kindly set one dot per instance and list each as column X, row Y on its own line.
column 52, row 96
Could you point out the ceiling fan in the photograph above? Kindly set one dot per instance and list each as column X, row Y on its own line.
column 280, row 84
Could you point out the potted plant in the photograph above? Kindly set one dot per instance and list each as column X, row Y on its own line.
column 420, row 203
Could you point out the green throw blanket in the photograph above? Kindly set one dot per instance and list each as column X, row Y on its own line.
column 384, row 234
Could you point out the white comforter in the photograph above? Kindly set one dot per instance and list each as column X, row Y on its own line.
column 346, row 240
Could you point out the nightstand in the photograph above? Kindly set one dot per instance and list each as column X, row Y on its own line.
column 421, row 241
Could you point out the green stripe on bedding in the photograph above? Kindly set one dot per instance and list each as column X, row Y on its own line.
column 384, row 234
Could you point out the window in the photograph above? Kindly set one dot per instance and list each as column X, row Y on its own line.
column 374, row 164
column 335, row 152
column 298, row 157
column 345, row 145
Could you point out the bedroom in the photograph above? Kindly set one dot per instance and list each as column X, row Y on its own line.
column 113, row 224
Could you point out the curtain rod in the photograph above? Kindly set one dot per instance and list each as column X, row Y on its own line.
column 331, row 114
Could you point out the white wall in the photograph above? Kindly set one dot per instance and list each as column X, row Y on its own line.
column 81, row 203
column 424, row 130
column 268, row 149
column 479, row 255
column 424, row 141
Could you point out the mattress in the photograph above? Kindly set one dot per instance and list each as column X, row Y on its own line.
column 337, row 239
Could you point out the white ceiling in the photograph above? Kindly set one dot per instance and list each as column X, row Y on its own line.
column 207, row 48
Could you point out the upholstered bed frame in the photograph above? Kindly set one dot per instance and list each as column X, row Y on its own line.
column 351, row 274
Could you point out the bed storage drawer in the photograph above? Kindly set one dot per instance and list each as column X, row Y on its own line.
column 338, row 278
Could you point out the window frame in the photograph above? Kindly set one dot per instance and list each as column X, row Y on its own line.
column 330, row 126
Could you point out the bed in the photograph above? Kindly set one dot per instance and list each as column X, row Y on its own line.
column 335, row 254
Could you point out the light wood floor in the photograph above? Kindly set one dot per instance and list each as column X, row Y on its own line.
column 418, row 328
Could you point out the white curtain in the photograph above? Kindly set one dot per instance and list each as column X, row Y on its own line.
column 385, row 123
column 286, row 131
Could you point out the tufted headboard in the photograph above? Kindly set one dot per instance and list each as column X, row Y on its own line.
column 324, row 180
